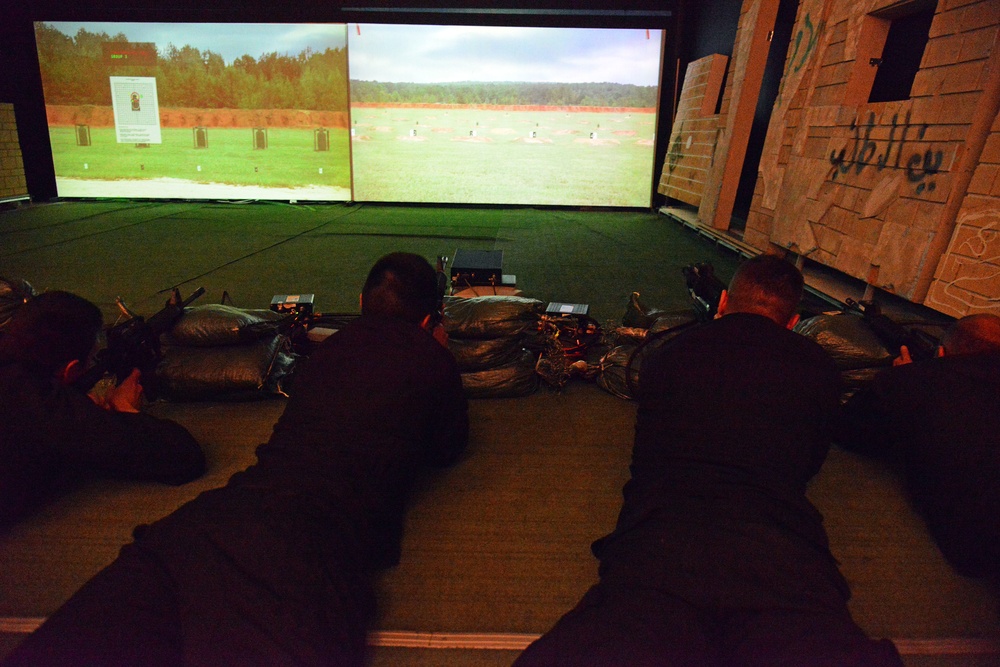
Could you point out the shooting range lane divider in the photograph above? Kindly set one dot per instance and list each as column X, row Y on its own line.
column 504, row 641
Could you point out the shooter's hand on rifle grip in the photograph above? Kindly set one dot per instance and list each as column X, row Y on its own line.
column 127, row 396
column 903, row 358
column 440, row 335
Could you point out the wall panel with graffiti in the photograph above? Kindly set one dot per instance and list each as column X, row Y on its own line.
column 880, row 190
column 694, row 133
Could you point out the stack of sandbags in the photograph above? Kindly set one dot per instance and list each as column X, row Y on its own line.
column 217, row 351
column 487, row 336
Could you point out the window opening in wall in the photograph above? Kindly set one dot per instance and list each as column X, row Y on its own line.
column 903, row 50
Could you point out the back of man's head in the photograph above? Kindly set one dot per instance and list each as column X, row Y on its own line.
column 766, row 285
column 401, row 285
column 53, row 329
column 973, row 334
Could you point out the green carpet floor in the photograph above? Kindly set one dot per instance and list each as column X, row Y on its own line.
column 252, row 252
column 498, row 544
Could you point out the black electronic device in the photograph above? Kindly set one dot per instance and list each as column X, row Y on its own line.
column 471, row 268
column 557, row 308
column 292, row 303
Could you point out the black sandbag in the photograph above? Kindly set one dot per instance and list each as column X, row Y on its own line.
column 618, row 369
column 614, row 375
column 472, row 354
column 624, row 335
column 848, row 340
column 218, row 324
column 225, row 371
column 490, row 316
column 853, row 346
column 512, row 380
column 13, row 294
column 664, row 321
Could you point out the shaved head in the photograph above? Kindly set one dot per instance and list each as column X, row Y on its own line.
column 973, row 334
column 766, row 285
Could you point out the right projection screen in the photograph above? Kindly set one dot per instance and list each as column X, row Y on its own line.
column 503, row 115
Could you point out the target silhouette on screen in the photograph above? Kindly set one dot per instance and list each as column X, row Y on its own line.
column 136, row 110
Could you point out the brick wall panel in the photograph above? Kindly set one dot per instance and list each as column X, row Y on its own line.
column 983, row 179
column 979, row 15
column 943, row 50
column 12, row 177
column 976, row 45
column 958, row 108
column 951, row 4
column 946, row 22
column 693, row 136
column 962, row 77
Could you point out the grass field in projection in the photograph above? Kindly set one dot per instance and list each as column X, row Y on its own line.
column 503, row 157
column 228, row 157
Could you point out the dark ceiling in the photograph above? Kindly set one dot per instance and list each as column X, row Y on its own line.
column 644, row 13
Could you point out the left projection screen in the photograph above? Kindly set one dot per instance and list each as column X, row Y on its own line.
column 197, row 110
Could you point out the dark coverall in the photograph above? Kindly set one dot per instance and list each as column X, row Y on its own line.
column 718, row 558
column 276, row 568
column 53, row 436
column 938, row 422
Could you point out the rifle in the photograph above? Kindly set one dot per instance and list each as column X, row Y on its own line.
column 705, row 289
column 442, row 288
column 135, row 343
column 893, row 335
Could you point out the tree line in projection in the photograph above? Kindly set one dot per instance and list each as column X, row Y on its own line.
column 505, row 93
column 75, row 72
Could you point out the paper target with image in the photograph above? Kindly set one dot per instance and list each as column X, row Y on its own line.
column 136, row 109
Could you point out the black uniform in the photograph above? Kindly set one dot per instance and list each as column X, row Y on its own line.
column 718, row 558
column 939, row 421
column 276, row 567
column 52, row 436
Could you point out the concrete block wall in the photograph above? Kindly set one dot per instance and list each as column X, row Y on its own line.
column 12, row 179
column 694, row 132
column 882, row 191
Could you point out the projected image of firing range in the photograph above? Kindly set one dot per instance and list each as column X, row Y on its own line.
column 197, row 111
column 502, row 115
column 437, row 114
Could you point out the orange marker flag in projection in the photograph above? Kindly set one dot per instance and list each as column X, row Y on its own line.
column 647, row 33
column 358, row 26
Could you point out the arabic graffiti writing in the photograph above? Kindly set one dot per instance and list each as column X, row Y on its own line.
column 809, row 46
column 675, row 153
column 920, row 167
column 810, row 34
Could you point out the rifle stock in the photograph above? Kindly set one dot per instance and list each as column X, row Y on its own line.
column 704, row 287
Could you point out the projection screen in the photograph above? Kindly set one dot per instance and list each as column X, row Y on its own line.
column 362, row 112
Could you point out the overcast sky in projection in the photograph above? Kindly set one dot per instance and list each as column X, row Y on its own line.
column 438, row 54
column 226, row 39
